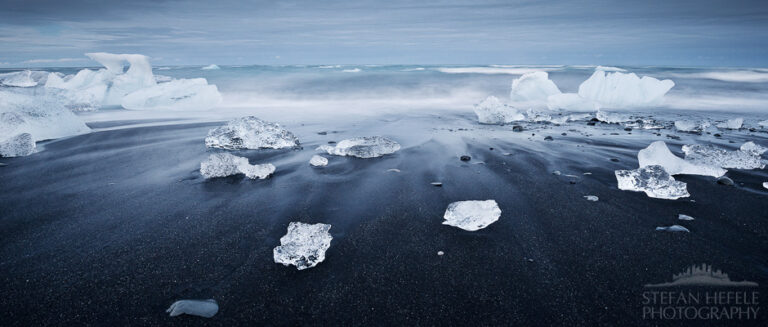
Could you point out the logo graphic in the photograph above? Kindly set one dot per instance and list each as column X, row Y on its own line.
column 702, row 276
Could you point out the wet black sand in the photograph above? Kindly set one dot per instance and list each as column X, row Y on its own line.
column 112, row 227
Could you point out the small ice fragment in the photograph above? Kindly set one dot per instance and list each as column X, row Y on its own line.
column 437, row 184
column 753, row 148
column 211, row 67
column 747, row 157
column 734, row 123
column 657, row 153
column 17, row 146
column 587, row 173
column 202, row 308
column 440, row 253
column 765, row 185
column 304, row 245
column 492, row 111
column 393, row 170
column 653, row 180
column 225, row 164
column 250, row 133
column 556, row 173
column 591, row 198
column 572, row 102
column 673, row 228
column 362, row 147
column 318, row 161
column 472, row 215
column 684, row 217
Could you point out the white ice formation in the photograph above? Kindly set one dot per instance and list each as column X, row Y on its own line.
column 17, row 146
column 765, row 185
column 25, row 78
column 684, row 217
column 612, row 117
column 620, row 90
column 749, row 156
column 734, row 123
column 570, row 102
column 592, row 198
column 250, row 133
column 362, row 147
column 653, row 180
column 532, row 90
column 201, row 308
column 225, row 164
column 657, row 153
column 492, row 111
column 690, row 126
column 304, row 245
column 318, row 161
column 673, row 228
column 472, row 215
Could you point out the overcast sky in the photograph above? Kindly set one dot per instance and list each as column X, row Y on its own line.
column 637, row 32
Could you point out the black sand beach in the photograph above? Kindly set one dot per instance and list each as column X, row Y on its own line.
column 111, row 227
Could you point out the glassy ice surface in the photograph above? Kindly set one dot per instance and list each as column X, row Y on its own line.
column 362, row 147
column 250, row 133
column 318, row 161
column 532, row 90
column 734, row 123
column 620, row 90
column 225, row 164
column 472, row 215
column 304, row 245
column 673, row 228
column 747, row 157
column 492, row 111
column 653, row 180
column 201, row 308
column 17, row 146
column 657, row 153
column 612, row 117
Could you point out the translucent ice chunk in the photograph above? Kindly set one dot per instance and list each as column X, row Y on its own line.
column 250, row 133
column 42, row 116
column 653, row 180
column 318, row 161
column 182, row 94
column 620, row 90
column 591, row 198
column 533, row 89
column 765, row 185
column 673, row 228
column 657, row 153
column 18, row 79
column 201, row 308
column 612, row 118
column 225, row 164
column 747, row 157
column 17, row 146
column 690, row 126
column 304, row 245
column 751, row 147
column 734, row 123
column 492, row 111
column 362, row 147
column 472, row 215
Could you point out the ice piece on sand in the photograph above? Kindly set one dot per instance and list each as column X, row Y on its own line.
column 533, row 89
column 571, row 102
column 182, row 94
column 492, row 111
column 211, row 67
column 42, row 116
column 690, row 126
column 620, row 90
column 304, row 245
column 362, row 147
column 472, row 215
column 201, row 308
column 653, row 180
column 591, row 198
column 612, row 118
column 538, row 116
column 684, row 217
column 657, row 153
column 18, row 79
column 673, row 228
column 747, row 157
column 765, row 185
column 318, row 161
column 734, row 123
column 225, row 164
column 250, row 133
column 17, row 146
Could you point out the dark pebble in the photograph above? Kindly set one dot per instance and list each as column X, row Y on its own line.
column 465, row 158
column 725, row 181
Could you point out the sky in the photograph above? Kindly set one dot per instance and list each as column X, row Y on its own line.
column 48, row 33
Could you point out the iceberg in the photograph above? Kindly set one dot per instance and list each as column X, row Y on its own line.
column 571, row 102
column 318, row 161
column 181, row 94
column 747, row 157
column 304, row 245
column 250, row 133
column 653, row 180
column 211, row 67
column 362, row 147
column 673, row 228
column 138, row 76
column 734, row 123
column 492, row 111
column 17, row 146
column 225, row 164
column 84, row 91
column 201, row 308
column 533, row 89
column 41, row 116
column 620, row 90
column 657, row 153
column 472, row 215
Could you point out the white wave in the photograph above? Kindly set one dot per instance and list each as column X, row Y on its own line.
column 353, row 70
column 743, row 76
column 493, row 70
column 610, row 69
column 413, row 69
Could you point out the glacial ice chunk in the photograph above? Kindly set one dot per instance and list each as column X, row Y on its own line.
column 84, row 91
column 747, row 157
column 182, row 94
column 250, row 133
column 201, row 308
column 304, row 245
column 318, row 161
column 620, row 90
column 753, row 148
column 42, row 116
column 570, row 102
column 673, row 228
column 472, row 215
column 612, row 117
column 533, row 89
column 657, row 153
column 653, row 180
column 211, row 67
column 138, row 76
column 684, row 217
column 492, row 111
column 734, row 123
column 592, row 198
column 765, row 185
column 19, row 79
column 225, row 164
column 362, row 147
column 17, row 146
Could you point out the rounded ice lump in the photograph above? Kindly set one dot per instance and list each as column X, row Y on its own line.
column 653, row 180
column 362, row 147
column 472, row 215
column 250, row 133
column 492, row 111
column 225, row 164
column 304, row 245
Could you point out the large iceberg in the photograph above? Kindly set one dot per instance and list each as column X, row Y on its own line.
column 747, row 157
column 304, row 245
column 250, row 133
column 225, row 164
column 492, row 111
column 657, row 153
column 362, row 147
column 533, row 89
column 17, row 146
column 201, row 308
column 653, row 180
column 472, row 215
column 620, row 90
column 180, row 94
